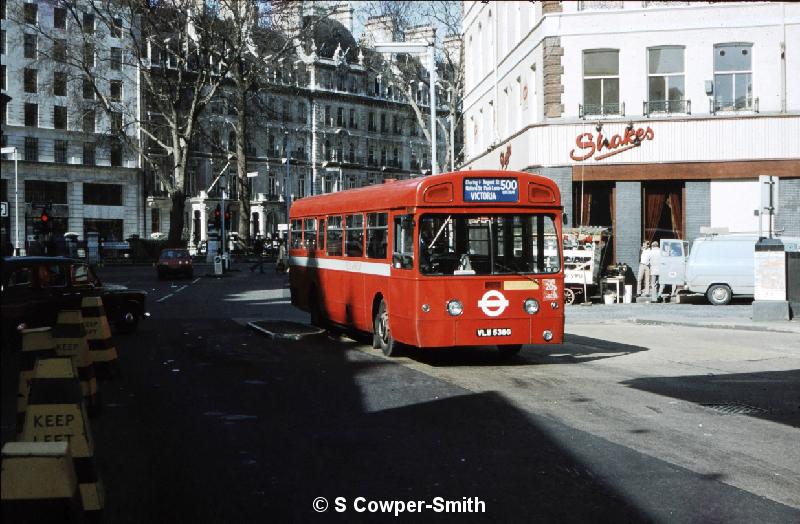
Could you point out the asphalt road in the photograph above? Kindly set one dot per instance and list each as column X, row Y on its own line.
column 213, row 422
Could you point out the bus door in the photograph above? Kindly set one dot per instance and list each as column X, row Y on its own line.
column 402, row 284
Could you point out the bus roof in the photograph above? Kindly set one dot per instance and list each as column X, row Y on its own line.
column 443, row 190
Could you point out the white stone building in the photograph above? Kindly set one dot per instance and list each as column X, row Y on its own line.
column 69, row 165
column 655, row 118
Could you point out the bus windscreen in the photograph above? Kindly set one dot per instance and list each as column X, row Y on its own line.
column 500, row 244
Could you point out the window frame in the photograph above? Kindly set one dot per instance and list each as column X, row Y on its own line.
column 603, row 80
column 749, row 99
column 334, row 236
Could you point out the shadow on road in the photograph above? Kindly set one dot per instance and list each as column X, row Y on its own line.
column 771, row 395
column 575, row 350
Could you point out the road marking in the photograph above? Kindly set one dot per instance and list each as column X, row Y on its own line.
column 181, row 288
column 162, row 299
column 196, row 280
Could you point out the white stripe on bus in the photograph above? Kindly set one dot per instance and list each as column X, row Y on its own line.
column 351, row 266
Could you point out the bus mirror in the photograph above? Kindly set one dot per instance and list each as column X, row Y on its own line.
column 397, row 261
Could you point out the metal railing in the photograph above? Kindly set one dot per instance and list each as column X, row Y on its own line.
column 585, row 110
column 740, row 104
column 666, row 106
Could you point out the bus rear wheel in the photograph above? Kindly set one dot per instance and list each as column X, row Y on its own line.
column 381, row 333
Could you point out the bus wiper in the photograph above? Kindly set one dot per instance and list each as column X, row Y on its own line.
column 514, row 271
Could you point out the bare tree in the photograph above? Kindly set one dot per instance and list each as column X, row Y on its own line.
column 408, row 74
column 167, row 53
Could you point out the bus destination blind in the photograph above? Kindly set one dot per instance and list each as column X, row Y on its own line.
column 491, row 190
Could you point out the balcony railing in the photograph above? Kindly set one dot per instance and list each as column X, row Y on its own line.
column 585, row 110
column 740, row 104
column 667, row 106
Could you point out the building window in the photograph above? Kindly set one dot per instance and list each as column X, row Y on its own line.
column 88, row 55
column 60, row 50
column 59, row 83
column 384, row 128
column 116, row 122
column 31, row 151
column 2, row 42
column 116, row 153
column 59, row 18
column 60, row 117
column 116, row 28
column 155, row 220
column 88, row 89
column 102, row 194
column 107, row 230
column 60, row 152
column 116, row 58
column 88, row 23
column 665, row 85
column 88, row 154
column 601, row 82
column 371, row 121
column 29, row 46
column 31, row 115
column 30, row 77
column 353, row 123
column 3, row 81
column 88, row 121
column 733, row 77
column 30, row 13
column 328, row 121
column 43, row 191
column 116, row 90
column 340, row 117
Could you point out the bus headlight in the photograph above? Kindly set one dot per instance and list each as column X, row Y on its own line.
column 531, row 306
column 455, row 307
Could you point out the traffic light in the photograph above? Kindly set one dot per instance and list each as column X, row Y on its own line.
column 227, row 219
column 45, row 218
column 217, row 216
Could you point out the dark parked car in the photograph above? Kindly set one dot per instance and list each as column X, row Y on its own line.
column 35, row 289
column 174, row 262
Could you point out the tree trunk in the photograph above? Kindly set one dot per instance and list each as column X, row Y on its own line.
column 176, row 218
column 241, row 166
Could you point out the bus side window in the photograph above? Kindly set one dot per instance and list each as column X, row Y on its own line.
column 297, row 234
column 403, row 251
column 321, row 235
column 310, row 233
column 377, row 235
column 334, row 234
column 354, row 238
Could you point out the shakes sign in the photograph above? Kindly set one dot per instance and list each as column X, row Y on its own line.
column 601, row 146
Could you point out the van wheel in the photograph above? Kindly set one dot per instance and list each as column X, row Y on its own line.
column 569, row 296
column 719, row 294
column 382, row 334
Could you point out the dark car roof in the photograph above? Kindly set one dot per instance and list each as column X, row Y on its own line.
column 39, row 259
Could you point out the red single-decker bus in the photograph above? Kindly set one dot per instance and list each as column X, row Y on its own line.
column 457, row 259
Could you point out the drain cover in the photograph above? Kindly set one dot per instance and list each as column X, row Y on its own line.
column 735, row 408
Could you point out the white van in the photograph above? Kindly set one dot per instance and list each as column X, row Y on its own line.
column 718, row 266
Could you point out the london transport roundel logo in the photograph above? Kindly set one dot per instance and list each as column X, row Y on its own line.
column 493, row 303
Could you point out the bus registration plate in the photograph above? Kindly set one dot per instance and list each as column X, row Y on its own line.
column 494, row 332
column 491, row 190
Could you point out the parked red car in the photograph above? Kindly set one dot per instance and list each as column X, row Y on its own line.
column 174, row 262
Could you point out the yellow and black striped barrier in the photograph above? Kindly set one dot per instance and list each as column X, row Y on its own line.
column 69, row 337
column 39, row 484
column 36, row 343
column 102, row 351
column 56, row 414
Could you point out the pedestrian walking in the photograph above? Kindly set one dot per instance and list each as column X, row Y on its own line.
column 258, row 248
column 643, row 275
column 655, row 259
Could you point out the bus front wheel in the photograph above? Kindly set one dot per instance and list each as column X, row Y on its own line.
column 381, row 333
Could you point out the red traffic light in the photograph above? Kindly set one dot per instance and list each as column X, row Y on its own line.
column 216, row 213
column 44, row 217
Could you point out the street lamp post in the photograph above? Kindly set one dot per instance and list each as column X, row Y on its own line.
column 286, row 184
column 5, row 151
column 420, row 48
column 222, row 186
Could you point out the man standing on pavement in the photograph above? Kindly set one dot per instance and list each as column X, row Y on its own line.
column 655, row 259
column 258, row 249
column 643, row 276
